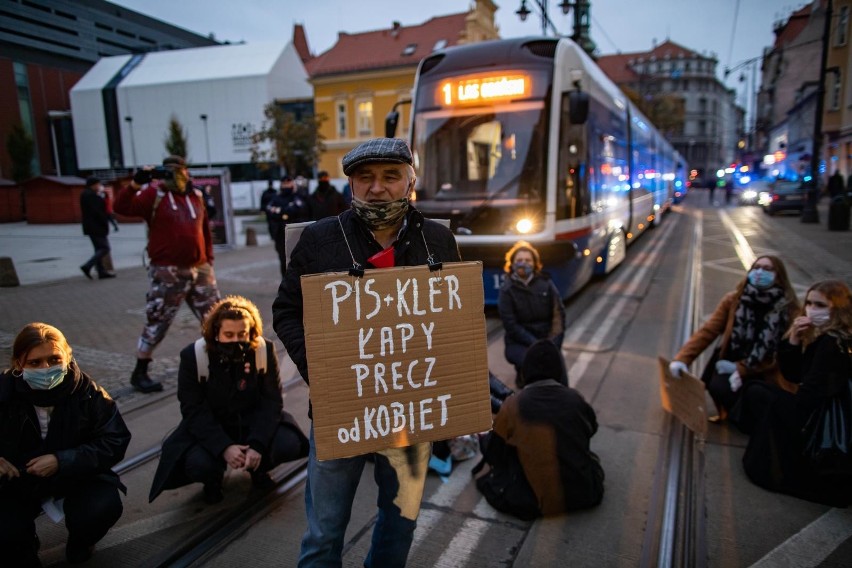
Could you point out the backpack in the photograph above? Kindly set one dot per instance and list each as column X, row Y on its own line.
column 203, row 362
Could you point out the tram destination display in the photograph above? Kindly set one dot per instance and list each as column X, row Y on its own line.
column 396, row 357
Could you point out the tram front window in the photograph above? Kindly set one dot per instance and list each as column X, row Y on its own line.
column 483, row 167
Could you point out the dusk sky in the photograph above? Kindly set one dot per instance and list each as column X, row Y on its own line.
column 734, row 30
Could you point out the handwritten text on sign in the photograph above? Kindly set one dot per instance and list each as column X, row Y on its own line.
column 395, row 357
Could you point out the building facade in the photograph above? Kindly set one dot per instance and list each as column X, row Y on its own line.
column 364, row 76
column 46, row 46
column 710, row 124
column 837, row 114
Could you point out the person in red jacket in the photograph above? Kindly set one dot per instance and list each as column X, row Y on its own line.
column 180, row 247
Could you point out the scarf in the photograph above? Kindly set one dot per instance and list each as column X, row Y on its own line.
column 759, row 322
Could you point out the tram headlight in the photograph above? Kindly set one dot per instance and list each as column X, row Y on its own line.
column 524, row 225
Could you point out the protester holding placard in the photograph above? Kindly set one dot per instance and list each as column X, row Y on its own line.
column 381, row 230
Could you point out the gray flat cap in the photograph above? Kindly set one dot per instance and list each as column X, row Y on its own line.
column 377, row 150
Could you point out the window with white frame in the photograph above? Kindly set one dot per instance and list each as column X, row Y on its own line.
column 842, row 24
column 364, row 117
column 341, row 119
column 835, row 91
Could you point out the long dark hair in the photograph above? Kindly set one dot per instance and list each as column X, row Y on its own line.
column 782, row 279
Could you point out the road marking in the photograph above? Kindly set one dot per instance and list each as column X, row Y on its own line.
column 741, row 245
column 464, row 544
column 636, row 277
column 813, row 544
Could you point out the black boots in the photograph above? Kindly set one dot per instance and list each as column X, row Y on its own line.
column 140, row 379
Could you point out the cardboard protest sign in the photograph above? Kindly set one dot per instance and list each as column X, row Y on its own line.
column 684, row 398
column 396, row 357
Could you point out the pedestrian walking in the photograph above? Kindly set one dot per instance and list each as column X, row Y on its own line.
column 231, row 406
column 180, row 247
column 529, row 304
column 798, row 441
column 383, row 229
column 60, row 436
column 96, row 220
column 750, row 321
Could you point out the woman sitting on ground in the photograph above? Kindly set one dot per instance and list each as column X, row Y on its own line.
column 231, row 407
column 529, row 304
column 60, row 435
column 751, row 321
column 817, row 354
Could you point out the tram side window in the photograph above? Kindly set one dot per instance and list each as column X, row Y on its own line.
column 572, row 197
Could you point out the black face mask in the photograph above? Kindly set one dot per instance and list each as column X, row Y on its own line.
column 232, row 352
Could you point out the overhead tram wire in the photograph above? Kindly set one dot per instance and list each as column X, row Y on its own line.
column 733, row 33
column 601, row 29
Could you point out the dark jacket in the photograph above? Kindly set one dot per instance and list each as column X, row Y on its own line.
column 93, row 208
column 230, row 407
column 531, row 311
column 86, row 433
column 326, row 201
column 778, row 433
column 322, row 248
column 551, row 426
column 282, row 210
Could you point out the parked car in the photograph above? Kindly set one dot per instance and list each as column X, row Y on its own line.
column 786, row 196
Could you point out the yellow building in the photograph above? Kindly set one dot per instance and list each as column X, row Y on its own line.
column 359, row 80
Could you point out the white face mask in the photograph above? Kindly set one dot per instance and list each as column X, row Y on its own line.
column 818, row 316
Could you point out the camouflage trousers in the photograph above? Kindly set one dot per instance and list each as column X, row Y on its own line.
column 170, row 286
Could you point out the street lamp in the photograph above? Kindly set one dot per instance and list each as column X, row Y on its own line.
column 129, row 120
column 582, row 24
column 203, row 117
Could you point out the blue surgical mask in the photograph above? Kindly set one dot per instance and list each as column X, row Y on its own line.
column 45, row 378
column 522, row 268
column 761, row 278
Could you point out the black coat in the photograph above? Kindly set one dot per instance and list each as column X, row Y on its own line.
column 94, row 212
column 230, row 407
column 282, row 210
column 775, row 419
column 86, row 433
column 322, row 248
column 531, row 311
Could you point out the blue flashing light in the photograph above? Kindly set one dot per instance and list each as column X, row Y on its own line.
column 678, row 183
column 808, row 178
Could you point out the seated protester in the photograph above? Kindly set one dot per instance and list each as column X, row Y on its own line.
column 529, row 304
column 787, row 429
column 231, row 406
column 546, row 427
column 60, row 435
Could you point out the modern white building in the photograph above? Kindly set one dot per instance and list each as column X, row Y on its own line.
column 122, row 107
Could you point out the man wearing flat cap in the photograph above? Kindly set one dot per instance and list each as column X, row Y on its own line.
column 96, row 226
column 382, row 229
column 180, row 246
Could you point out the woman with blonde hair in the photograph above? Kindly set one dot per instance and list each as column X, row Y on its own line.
column 786, row 451
column 529, row 304
column 750, row 321
column 231, row 406
column 60, row 435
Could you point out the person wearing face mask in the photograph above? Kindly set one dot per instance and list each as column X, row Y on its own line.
column 60, row 435
column 284, row 208
column 231, row 412
column 529, row 304
column 180, row 246
column 381, row 230
column 817, row 355
column 750, row 322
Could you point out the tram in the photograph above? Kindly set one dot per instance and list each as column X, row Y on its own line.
column 527, row 138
